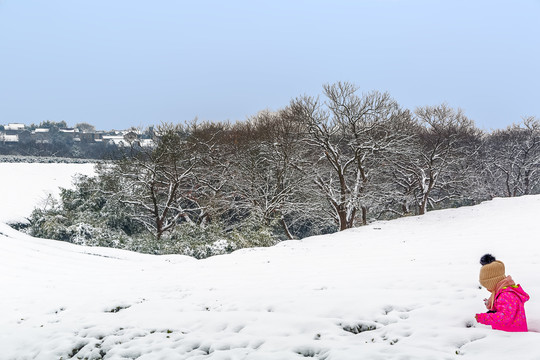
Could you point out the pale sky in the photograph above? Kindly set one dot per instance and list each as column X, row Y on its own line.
column 122, row 63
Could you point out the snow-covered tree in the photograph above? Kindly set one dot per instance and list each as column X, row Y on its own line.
column 513, row 159
column 266, row 175
column 157, row 183
column 349, row 135
column 437, row 168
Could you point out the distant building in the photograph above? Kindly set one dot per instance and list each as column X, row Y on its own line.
column 14, row 127
column 90, row 137
column 41, row 130
column 115, row 140
column 69, row 130
column 41, row 135
column 19, row 133
column 5, row 138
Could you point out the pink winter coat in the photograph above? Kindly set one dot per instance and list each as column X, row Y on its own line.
column 509, row 310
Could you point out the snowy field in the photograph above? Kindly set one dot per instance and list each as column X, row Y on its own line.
column 405, row 289
column 23, row 186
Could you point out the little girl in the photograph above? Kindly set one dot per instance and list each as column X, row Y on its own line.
column 506, row 304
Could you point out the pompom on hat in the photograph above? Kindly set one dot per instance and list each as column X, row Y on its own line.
column 492, row 272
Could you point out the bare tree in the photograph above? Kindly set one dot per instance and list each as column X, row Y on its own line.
column 437, row 169
column 209, row 141
column 350, row 135
column 157, row 182
column 266, row 172
column 513, row 159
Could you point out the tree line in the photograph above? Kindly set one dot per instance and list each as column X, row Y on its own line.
column 319, row 165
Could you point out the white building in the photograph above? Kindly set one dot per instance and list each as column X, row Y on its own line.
column 69, row 130
column 41, row 130
column 9, row 138
column 14, row 127
column 115, row 139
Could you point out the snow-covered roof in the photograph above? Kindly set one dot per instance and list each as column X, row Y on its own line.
column 42, row 130
column 14, row 126
column 136, row 131
column 69, row 130
column 116, row 140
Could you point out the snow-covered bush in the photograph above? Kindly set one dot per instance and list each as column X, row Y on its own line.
column 91, row 215
column 49, row 222
column 90, row 235
column 205, row 241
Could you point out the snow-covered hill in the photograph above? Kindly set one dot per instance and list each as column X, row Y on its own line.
column 405, row 289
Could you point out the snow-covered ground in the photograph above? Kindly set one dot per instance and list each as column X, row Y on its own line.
column 404, row 289
column 24, row 186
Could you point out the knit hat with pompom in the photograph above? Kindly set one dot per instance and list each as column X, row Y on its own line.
column 492, row 271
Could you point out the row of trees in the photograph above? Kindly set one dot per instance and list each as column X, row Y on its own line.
column 316, row 166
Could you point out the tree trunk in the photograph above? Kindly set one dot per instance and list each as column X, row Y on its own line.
column 364, row 215
column 405, row 208
column 526, row 182
column 342, row 213
column 286, row 229
column 422, row 206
